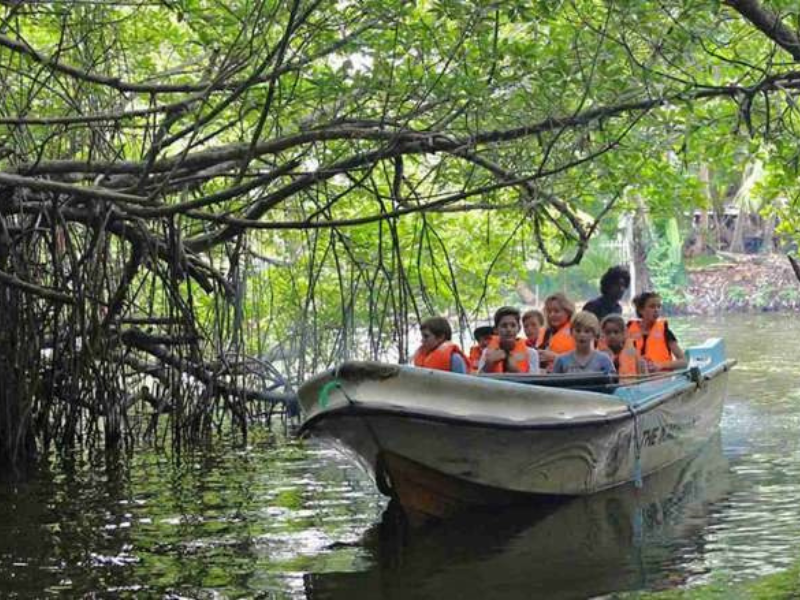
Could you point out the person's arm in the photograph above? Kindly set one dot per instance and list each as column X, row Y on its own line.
column 546, row 356
column 558, row 366
column 679, row 358
column 608, row 364
column 533, row 361
column 489, row 357
column 457, row 363
column 679, row 362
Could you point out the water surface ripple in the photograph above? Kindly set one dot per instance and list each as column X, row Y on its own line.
column 279, row 519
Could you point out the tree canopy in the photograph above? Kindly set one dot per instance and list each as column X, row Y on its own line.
column 210, row 188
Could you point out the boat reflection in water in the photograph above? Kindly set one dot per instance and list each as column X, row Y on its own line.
column 621, row 539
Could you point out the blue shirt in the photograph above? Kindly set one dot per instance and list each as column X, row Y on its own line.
column 457, row 364
column 599, row 362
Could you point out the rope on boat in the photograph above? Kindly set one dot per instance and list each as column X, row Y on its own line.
column 382, row 480
column 693, row 374
column 323, row 398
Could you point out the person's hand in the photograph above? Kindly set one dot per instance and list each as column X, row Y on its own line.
column 507, row 345
column 547, row 356
column 495, row 355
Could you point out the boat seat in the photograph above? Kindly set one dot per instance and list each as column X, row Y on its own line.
column 589, row 382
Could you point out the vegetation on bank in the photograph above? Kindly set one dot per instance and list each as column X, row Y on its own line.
column 201, row 204
column 784, row 585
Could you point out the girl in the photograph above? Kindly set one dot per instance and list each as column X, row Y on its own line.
column 652, row 337
column 558, row 336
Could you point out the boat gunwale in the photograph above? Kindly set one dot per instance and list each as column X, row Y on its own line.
column 354, row 408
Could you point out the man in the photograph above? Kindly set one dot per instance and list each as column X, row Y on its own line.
column 613, row 285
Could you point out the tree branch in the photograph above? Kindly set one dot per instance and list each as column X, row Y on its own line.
column 768, row 23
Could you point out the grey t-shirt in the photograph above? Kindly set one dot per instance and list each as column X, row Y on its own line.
column 599, row 362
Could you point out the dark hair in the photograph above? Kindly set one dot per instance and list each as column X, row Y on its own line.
column 482, row 331
column 614, row 274
column 506, row 311
column 640, row 301
column 438, row 326
column 534, row 314
column 613, row 318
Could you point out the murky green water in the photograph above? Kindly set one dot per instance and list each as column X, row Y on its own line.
column 279, row 520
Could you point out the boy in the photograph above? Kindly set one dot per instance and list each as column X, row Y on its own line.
column 584, row 359
column 620, row 347
column 482, row 334
column 437, row 351
column 533, row 325
column 506, row 353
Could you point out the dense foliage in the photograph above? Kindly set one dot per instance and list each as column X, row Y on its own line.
column 216, row 188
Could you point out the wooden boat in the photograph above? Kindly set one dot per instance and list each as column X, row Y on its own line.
column 440, row 441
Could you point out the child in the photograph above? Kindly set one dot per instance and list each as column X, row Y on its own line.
column 437, row 351
column 620, row 347
column 652, row 337
column 584, row 358
column 482, row 335
column 506, row 353
column 533, row 325
column 558, row 336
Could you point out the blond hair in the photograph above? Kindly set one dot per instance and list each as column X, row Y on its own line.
column 561, row 299
column 586, row 320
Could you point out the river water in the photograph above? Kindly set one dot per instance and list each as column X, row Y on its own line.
column 280, row 519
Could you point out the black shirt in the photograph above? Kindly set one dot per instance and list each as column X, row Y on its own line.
column 602, row 306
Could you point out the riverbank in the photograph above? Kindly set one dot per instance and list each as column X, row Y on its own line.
column 740, row 283
column 778, row 586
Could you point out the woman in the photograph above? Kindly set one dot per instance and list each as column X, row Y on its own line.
column 652, row 336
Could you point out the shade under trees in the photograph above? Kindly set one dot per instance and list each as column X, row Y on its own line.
column 202, row 202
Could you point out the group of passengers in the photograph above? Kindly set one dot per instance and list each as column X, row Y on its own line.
column 560, row 340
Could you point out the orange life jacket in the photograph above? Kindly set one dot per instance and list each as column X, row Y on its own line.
column 518, row 356
column 627, row 361
column 562, row 341
column 438, row 358
column 475, row 357
column 655, row 347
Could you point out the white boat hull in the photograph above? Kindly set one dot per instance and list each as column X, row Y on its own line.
column 498, row 437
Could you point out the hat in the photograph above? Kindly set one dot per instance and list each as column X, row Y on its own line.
column 482, row 330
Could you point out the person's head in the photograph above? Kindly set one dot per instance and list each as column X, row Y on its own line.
column 648, row 306
column 615, row 282
column 483, row 334
column 585, row 329
column 434, row 331
column 614, row 331
column 559, row 309
column 506, row 322
column 532, row 321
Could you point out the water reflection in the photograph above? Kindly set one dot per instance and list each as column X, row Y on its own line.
column 284, row 520
column 620, row 539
